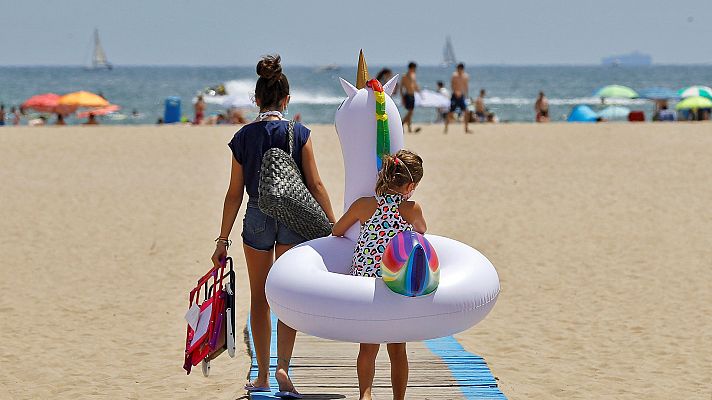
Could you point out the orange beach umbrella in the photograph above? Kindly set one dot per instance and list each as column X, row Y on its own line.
column 82, row 99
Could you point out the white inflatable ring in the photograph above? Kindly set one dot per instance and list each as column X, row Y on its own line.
column 316, row 295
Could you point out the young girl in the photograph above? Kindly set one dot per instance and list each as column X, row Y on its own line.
column 390, row 212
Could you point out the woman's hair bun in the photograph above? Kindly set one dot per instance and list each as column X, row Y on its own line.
column 269, row 67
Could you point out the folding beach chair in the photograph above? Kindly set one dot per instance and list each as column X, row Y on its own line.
column 211, row 323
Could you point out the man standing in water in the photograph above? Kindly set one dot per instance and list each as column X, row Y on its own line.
column 408, row 87
column 460, row 83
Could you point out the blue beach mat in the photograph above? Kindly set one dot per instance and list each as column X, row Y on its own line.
column 473, row 376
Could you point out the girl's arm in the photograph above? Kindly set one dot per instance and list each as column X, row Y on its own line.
column 414, row 216
column 349, row 218
column 233, row 201
column 313, row 180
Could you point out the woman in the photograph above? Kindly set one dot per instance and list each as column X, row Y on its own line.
column 263, row 238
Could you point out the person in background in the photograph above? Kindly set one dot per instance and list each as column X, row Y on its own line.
column 90, row 121
column 541, row 106
column 15, row 116
column 236, row 116
column 480, row 108
column 2, row 114
column 41, row 121
column 60, row 120
column 442, row 111
column 408, row 87
column 384, row 75
column 460, row 84
column 199, row 111
column 159, row 121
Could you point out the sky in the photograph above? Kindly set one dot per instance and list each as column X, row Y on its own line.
column 234, row 32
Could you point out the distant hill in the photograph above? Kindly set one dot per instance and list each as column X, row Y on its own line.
column 631, row 59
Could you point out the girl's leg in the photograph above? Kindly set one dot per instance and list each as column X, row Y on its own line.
column 366, row 368
column 399, row 369
column 285, row 342
column 258, row 265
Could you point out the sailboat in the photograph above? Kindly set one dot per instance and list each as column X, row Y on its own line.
column 449, row 59
column 98, row 60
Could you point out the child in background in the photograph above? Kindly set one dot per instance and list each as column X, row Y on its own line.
column 382, row 217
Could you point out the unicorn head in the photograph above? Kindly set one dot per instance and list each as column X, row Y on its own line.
column 369, row 125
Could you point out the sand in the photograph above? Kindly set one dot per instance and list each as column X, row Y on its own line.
column 601, row 234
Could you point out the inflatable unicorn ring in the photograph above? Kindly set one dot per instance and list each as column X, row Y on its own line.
column 309, row 287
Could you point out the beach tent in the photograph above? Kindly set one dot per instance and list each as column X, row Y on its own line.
column 582, row 113
column 615, row 113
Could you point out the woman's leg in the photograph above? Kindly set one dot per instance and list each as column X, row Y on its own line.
column 399, row 369
column 366, row 368
column 258, row 265
column 285, row 342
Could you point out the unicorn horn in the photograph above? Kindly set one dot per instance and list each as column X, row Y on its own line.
column 362, row 73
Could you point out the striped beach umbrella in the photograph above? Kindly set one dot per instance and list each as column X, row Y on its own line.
column 694, row 103
column 692, row 91
column 616, row 92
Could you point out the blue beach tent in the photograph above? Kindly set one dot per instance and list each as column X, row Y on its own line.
column 582, row 113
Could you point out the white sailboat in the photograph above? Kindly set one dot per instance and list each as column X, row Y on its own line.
column 449, row 59
column 98, row 60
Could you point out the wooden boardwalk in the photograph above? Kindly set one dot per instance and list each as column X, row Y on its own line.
column 439, row 369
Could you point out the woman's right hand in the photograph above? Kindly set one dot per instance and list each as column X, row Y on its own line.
column 219, row 255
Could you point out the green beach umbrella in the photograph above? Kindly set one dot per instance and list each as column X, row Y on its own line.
column 692, row 91
column 616, row 92
column 694, row 103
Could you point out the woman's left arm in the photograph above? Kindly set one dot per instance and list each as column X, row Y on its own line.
column 314, row 184
column 233, row 201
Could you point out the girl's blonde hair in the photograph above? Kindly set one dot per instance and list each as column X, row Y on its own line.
column 399, row 169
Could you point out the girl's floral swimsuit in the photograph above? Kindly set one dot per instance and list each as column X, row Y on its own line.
column 375, row 234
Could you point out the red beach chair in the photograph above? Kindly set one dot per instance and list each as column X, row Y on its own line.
column 211, row 323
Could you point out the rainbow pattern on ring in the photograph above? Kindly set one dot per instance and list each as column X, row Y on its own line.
column 383, row 137
column 410, row 265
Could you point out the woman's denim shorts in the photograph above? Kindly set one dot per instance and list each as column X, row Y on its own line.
column 261, row 231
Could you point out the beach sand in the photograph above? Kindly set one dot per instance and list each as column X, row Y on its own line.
column 601, row 234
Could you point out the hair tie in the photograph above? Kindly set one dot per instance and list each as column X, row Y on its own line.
column 396, row 160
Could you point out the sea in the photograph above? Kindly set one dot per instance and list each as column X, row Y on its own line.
column 141, row 91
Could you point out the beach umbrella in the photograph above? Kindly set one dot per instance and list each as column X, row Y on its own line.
column 616, row 92
column 692, row 91
column 694, row 103
column 82, row 99
column 657, row 93
column 99, row 111
column 582, row 113
column 46, row 102
column 614, row 113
